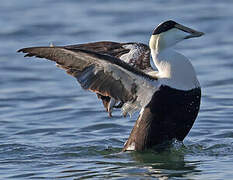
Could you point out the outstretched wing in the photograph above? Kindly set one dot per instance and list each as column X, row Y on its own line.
column 102, row 74
column 135, row 54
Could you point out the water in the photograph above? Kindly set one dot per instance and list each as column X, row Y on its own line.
column 50, row 128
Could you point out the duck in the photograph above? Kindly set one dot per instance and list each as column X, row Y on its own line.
column 168, row 99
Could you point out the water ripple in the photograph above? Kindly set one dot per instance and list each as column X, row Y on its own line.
column 51, row 128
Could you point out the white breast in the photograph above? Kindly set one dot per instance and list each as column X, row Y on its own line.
column 175, row 70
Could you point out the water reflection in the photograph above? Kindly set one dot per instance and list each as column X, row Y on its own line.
column 169, row 163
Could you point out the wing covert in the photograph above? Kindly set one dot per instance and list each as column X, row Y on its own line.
column 135, row 54
column 99, row 73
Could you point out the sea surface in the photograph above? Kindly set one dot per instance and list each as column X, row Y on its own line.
column 52, row 129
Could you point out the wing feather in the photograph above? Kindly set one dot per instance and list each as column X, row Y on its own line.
column 135, row 54
column 99, row 73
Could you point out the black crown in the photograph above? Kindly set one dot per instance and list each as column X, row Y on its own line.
column 165, row 26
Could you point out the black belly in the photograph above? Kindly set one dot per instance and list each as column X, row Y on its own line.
column 169, row 115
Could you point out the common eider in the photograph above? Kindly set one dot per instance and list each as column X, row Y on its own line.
column 168, row 99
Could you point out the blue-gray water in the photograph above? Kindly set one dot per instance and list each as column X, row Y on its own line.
column 51, row 128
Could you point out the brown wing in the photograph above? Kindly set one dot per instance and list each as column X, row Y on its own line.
column 99, row 73
column 135, row 54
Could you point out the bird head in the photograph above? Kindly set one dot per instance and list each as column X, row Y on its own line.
column 169, row 33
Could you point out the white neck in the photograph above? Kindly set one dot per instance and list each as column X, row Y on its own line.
column 175, row 70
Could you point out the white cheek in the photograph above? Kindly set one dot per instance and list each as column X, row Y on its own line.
column 167, row 39
column 173, row 36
